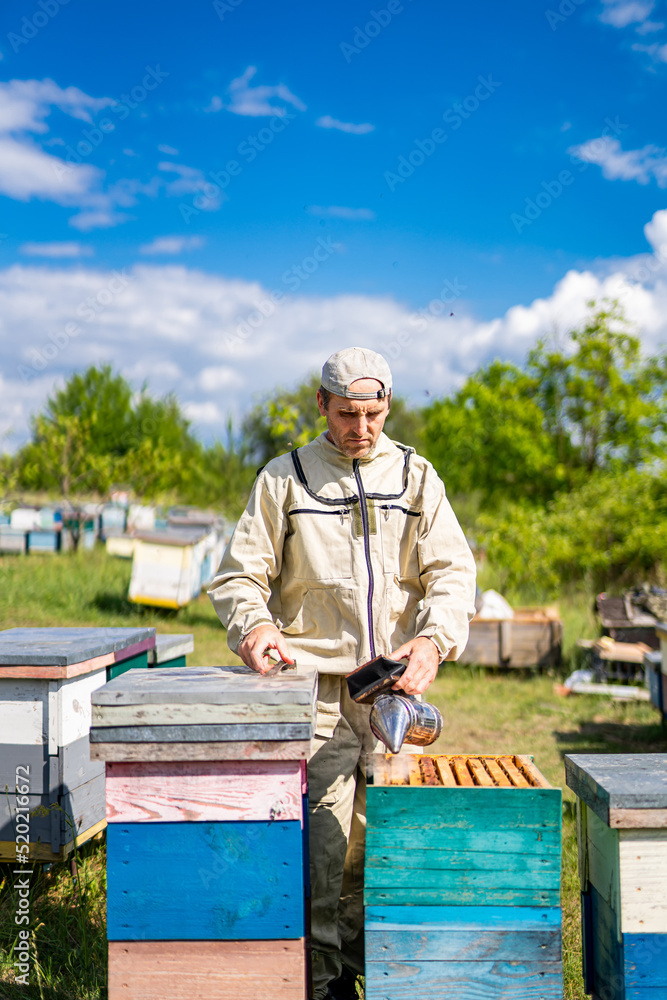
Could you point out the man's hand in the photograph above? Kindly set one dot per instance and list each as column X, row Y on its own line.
column 264, row 637
column 423, row 658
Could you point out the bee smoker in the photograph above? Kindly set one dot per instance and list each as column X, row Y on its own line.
column 397, row 718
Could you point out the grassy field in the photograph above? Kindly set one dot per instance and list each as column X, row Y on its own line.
column 484, row 710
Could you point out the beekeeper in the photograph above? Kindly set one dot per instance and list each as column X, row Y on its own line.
column 348, row 548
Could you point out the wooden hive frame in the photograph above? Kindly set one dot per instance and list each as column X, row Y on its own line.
column 456, row 770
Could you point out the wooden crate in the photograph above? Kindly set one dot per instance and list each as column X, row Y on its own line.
column 47, row 677
column 230, row 832
column 533, row 638
column 622, row 834
column 462, row 879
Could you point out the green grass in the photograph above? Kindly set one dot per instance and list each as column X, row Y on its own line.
column 484, row 710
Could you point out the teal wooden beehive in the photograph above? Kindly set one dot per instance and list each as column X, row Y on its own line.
column 462, row 879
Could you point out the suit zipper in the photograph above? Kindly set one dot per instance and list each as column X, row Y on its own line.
column 367, row 550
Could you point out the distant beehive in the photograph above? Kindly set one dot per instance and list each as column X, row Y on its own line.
column 462, row 880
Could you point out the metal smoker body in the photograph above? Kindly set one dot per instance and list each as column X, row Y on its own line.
column 396, row 719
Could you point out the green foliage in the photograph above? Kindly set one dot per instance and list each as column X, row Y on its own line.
column 93, row 434
column 612, row 528
column 489, row 438
column 602, row 403
column 288, row 418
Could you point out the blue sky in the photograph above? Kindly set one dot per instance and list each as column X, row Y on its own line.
column 238, row 188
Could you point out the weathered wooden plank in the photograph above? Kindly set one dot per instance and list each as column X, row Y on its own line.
column 211, row 685
column 509, row 841
column 582, row 844
column 463, row 808
column 69, row 715
column 250, row 750
column 642, row 859
column 241, row 880
column 202, row 734
column 217, row 970
column 198, row 792
column 463, row 878
column 479, row 773
column 23, row 714
column 607, row 952
column 638, row 819
column 603, row 866
column 645, row 962
column 472, row 918
column 57, row 672
column 469, row 896
column 202, row 714
column 445, row 773
column 416, row 859
column 464, row 980
column 517, row 778
column 75, row 765
column 456, row 944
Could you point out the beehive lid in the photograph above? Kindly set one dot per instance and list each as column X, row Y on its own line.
column 455, row 770
column 228, row 685
column 65, row 646
column 625, row 790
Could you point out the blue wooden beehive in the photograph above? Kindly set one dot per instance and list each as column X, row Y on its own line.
column 622, row 834
column 207, row 857
column 462, row 879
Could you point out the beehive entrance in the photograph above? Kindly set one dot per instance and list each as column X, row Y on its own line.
column 452, row 770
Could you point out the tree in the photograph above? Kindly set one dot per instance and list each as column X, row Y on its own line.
column 602, row 403
column 489, row 438
column 92, row 434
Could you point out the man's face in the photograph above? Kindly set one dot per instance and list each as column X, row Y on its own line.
column 356, row 424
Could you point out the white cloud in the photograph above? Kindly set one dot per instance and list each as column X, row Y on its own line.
column 658, row 53
column 217, row 377
column 65, row 249
column 621, row 13
column 628, row 165
column 341, row 212
column 187, row 331
column 326, row 121
column 191, row 180
column 656, row 232
column 169, row 150
column 98, row 219
column 171, row 244
column 27, row 171
column 259, row 101
column 648, row 27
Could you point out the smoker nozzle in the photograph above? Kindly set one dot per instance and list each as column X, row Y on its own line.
column 397, row 718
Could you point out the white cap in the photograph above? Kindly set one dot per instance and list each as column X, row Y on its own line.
column 352, row 363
